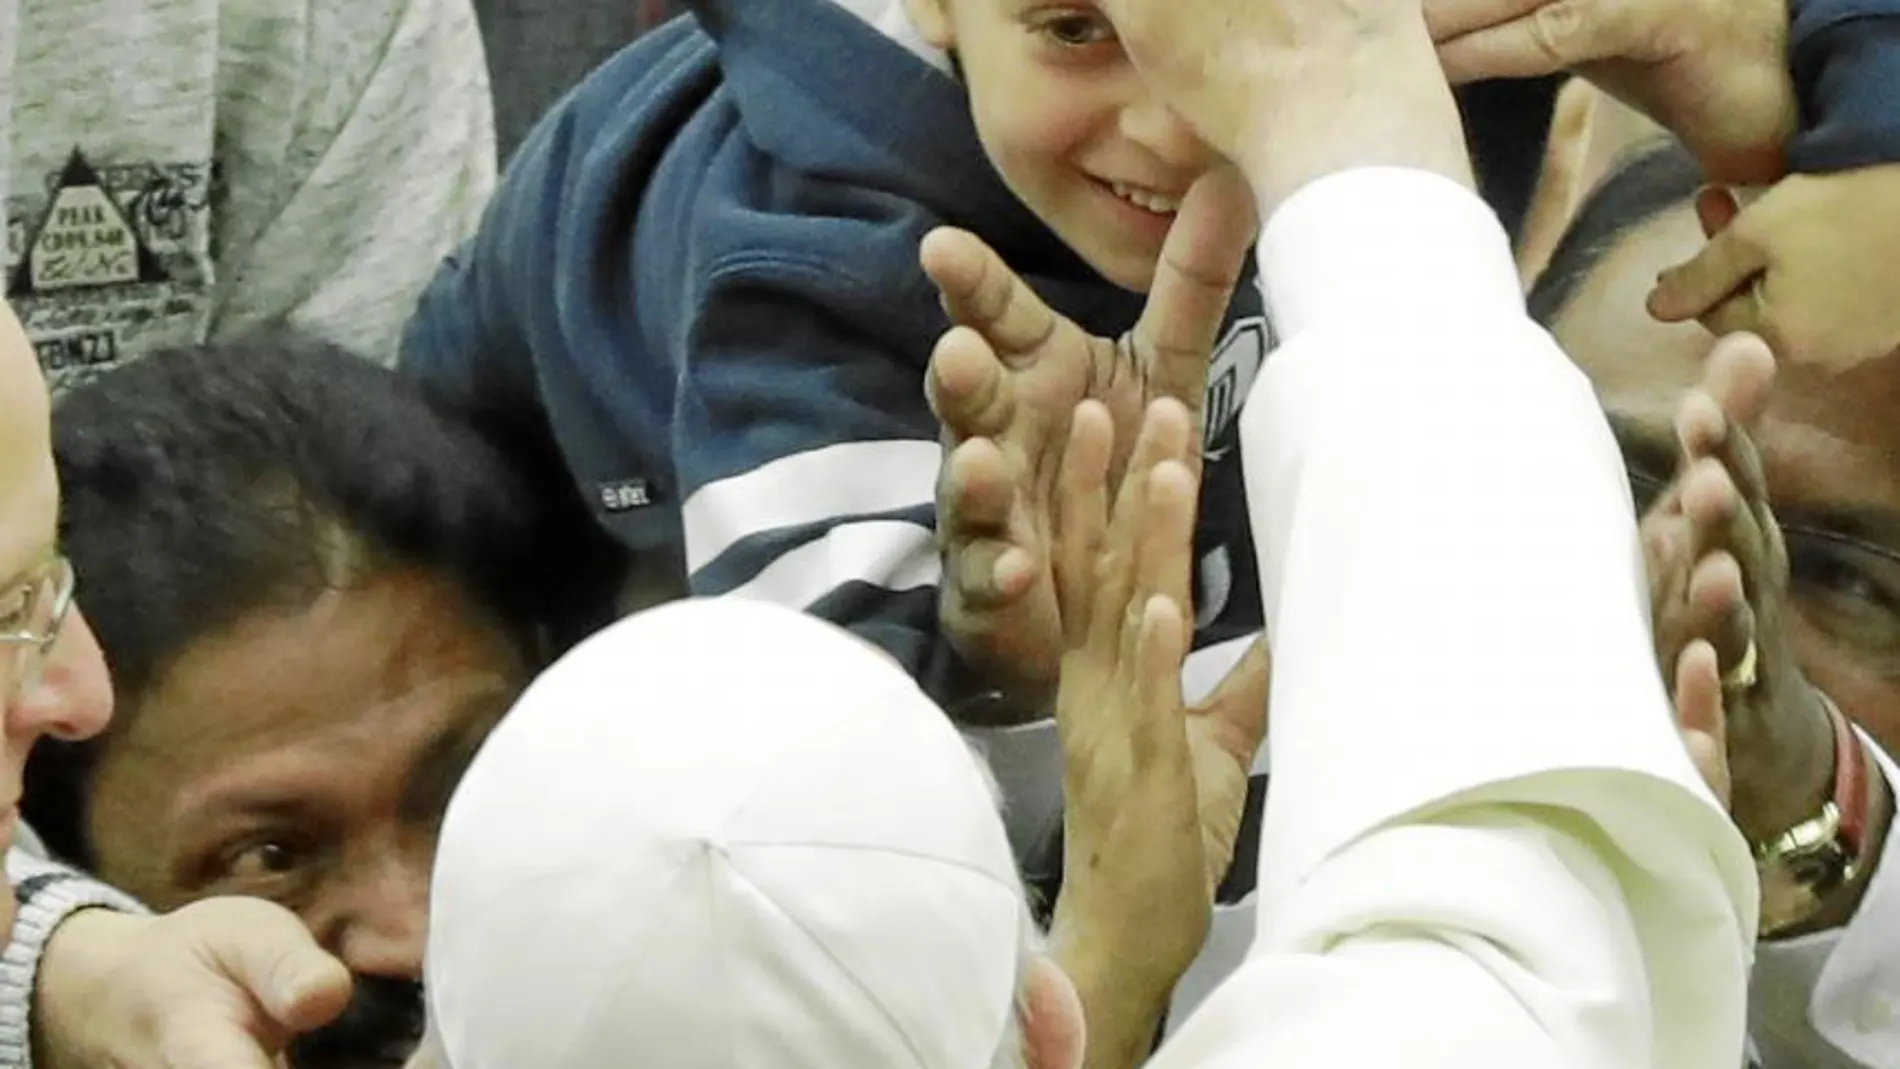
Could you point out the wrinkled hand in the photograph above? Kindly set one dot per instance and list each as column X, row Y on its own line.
column 1715, row 72
column 1153, row 791
column 1004, row 381
column 225, row 983
column 1805, row 266
column 1719, row 579
column 1293, row 90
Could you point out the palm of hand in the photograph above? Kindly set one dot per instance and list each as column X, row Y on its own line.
column 1136, row 843
column 1039, row 390
column 1221, row 763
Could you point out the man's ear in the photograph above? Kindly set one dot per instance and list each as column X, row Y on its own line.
column 1054, row 1031
column 932, row 19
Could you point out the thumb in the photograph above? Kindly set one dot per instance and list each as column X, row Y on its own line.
column 1201, row 262
column 1555, row 36
column 265, row 950
column 1237, row 708
column 1723, row 268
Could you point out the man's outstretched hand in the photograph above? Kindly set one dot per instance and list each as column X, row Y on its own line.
column 1715, row 72
column 225, row 983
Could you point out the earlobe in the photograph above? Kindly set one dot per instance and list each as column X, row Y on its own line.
column 1054, row 1031
column 932, row 20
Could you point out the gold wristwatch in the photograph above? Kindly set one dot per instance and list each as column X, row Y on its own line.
column 1803, row 866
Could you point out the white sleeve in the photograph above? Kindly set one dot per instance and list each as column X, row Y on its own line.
column 358, row 143
column 1831, row 1000
column 1485, row 844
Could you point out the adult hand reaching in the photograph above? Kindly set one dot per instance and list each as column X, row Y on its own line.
column 225, row 983
column 1715, row 72
column 1296, row 91
column 1153, row 790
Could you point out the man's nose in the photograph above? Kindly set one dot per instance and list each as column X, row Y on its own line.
column 383, row 919
column 69, row 694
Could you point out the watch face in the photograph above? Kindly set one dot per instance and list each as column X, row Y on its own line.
column 1795, row 886
column 1823, row 869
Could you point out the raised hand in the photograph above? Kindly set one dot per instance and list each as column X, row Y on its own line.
column 1294, row 91
column 1804, row 266
column 1719, row 580
column 1153, row 791
column 1004, row 381
column 1715, row 72
column 224, row 983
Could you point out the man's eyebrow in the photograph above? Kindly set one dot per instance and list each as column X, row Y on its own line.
column 447, row 756
column 1652, row 450
column 1873, row 527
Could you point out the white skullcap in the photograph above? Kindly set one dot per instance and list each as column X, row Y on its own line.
column 723, row 835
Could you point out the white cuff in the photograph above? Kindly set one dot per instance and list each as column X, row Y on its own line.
column 1385, row 241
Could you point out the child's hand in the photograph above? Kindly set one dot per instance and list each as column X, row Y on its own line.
column 1004, row 381
column 1807, row 266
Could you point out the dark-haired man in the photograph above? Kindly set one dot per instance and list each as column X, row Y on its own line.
column 318, row 594
column 224, row 982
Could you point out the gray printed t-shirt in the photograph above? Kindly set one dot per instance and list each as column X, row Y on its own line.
column 176, row 171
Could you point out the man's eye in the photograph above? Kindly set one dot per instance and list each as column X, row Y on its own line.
column 262, row 861
column 1847, row 592
column 1078, row 30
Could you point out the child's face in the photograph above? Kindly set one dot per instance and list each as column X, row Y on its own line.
column 1069, row 125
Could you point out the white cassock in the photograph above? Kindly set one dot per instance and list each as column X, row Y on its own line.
column 1484, row 844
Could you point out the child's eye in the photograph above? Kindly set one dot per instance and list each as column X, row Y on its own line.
column 1077, row 30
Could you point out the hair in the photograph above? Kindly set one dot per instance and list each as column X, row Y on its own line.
column 1655, row 179
column 204, row 485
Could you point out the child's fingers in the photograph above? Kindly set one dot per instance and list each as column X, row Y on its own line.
column 979, row 291
column 1201, row 262
column 975, row 493
column 967, row 387
column 989, row 574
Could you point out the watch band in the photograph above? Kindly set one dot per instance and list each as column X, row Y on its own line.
column 1802, row 866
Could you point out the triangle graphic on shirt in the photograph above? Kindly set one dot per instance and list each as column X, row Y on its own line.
column 83, row 240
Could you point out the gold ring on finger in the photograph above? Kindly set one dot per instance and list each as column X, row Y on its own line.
column 1743, row 676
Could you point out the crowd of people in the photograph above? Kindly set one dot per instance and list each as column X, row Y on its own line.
column 1061, row 534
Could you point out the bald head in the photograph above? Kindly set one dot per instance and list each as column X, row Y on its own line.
column 29, row 495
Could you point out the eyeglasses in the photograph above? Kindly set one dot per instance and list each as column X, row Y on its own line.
column 1845, row 588
column 32, row 614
